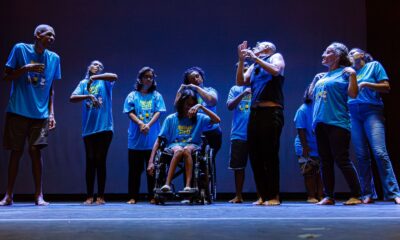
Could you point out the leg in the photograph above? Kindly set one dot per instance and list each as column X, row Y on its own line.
column 327, row 163
column 13, row 165
column 37, row 167
column 150, row 179
column 187, row 156
column 103, row 144
column 136, row 165
column 239, row 180
column 178, row 154
column 255, row 154
column 90, row 167
column 272, row 162
column 340, row 142
column 375, row 129
column 359, row 140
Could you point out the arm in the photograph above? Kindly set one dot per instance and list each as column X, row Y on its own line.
column 150, row 166
column 193, row 111
column 12, row 74
column 302, row 136
column 382, row 87
column 243, row 79
column 52, row 121
column 111, row 77
column 276, row 66
column 146, row 127
column 210, row 98
column 232, row 104
column 352, row 90
column 136, row 120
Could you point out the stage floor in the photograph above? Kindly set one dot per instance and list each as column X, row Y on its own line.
column 291, row 220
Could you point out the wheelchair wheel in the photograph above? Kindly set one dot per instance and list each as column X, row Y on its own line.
column 159, row 200
column 203, row 197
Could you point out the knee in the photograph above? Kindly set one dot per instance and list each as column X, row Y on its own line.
column 187, row 152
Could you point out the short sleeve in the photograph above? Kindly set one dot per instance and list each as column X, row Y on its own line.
column 79, row 90
column 300, row 120
column 129, row 104
column 159, row 103
column 12, row 61
column 166, row 126
column 232, row 94
column 57, row 73
column 380, row 73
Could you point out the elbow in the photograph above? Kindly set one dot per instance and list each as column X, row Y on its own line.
column 72, row 99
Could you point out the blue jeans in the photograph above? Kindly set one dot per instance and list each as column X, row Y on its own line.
column 368, row 132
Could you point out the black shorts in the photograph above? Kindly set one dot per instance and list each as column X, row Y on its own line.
column 18, row 128
column 239, row 154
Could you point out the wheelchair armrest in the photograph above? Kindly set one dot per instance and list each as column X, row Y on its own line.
column 163, row 142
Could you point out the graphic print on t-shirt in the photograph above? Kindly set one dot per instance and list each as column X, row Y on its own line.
column 95, row 91
column 146, row 114
column 35, row 78
column 184, row 134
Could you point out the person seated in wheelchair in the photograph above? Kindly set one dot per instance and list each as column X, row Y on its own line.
column 182, row 131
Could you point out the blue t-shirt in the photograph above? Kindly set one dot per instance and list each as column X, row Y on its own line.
column 184, row 131
column 372, row 72
column 240, row 114
column 211, row 108
column 303, row 120
column 330, row 100
column 30, row 93
column 96, row 119
column 144, row 106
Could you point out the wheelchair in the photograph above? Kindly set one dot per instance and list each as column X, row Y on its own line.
column 203, row 178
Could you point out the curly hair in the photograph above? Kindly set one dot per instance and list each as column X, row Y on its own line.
column 342, row 52
column 189, row 71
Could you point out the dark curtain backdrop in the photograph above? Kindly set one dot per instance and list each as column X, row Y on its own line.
column 170, row 36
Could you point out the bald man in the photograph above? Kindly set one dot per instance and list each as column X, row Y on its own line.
column 31, row 68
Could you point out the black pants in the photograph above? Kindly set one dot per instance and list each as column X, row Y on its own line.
column 138, row 161
column 264, row 131
column 214, row 139
column 333, row 147
column 96, row 146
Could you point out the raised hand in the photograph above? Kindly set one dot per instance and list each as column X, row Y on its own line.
column 241, row 47
column 193, row 110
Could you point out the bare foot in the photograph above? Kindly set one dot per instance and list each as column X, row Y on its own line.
column 272, row 202
column 39, row 201
column 397, row 200
column 236, row 200
column 326, row 201
column 7, row 201
column 100, row 201
column 152, row 201
column 352, row 201
column 368, row 200
column 131, row 201
column 258, row 202
column 312, row 200
column 88, row 201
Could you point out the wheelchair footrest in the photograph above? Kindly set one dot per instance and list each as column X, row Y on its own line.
column 190, row 192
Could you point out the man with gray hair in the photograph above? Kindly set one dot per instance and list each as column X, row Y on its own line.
column 31, row 68
column 265, row 76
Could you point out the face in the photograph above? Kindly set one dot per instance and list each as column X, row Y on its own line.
column 96, row 67
column 46, row 37
column 356, row 57
column 260, row 48
column 189, row 103
column 329, row 57
column 147, row 79
column 195, row 78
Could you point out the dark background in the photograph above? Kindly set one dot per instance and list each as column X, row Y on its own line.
column 171, row 36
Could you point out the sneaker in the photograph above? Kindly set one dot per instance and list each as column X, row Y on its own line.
column 187, row 189
column 166, row 188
